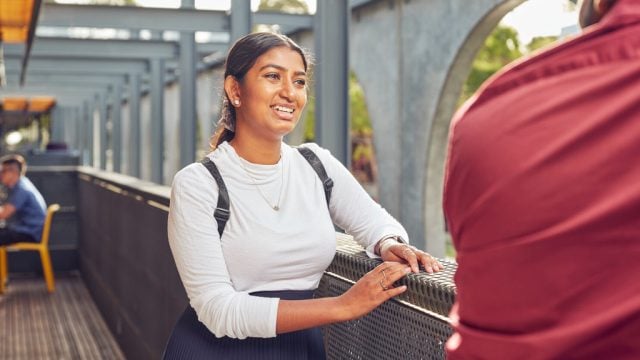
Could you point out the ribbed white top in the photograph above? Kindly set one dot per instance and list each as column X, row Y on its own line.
column 262, row 249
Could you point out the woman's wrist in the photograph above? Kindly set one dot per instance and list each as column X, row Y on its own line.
column 341, row 311
column 385, row 242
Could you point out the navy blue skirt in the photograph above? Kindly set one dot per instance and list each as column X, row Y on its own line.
column 190, row 339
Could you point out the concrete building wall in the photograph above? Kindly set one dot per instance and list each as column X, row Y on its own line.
column 412, row 57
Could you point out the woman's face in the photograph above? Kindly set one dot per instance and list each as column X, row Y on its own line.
column 272, row 94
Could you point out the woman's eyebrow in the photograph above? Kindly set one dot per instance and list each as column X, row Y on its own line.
column 282, row 68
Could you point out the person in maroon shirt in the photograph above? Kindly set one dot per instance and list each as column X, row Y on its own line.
column 542, row 199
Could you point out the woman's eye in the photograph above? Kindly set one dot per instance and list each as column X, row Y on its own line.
column 272, row 76
column 301, row 82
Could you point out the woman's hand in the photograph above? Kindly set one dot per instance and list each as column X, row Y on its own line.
column 399, row 252
column 373, row 289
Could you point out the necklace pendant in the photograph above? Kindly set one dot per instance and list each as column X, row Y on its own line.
column 276, row 207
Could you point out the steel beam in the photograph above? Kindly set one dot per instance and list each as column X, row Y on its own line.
column 331, row 29
column 157, row 120
column 134, row 122
column 101, row 49
column 45, row 90
column 187, row 81
column 88, row 128
column 126, row 17
column 293, row 21
column 64, row 81
column 183, row 19
column 96, row 66
column 57, row 124
column 204, row 49
column 240, row 19
column 101, row 103
column 116, row 129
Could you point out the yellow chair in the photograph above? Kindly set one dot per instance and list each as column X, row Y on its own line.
column 41, row 247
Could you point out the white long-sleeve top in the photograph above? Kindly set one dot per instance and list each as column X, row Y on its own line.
column 262, row 249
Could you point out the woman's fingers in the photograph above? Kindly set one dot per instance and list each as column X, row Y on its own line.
column 386, row 274
column 414, row 257
column 395, row 291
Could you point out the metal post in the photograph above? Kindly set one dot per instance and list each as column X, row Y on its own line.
column 187, row 94
column 331, row 31
column 134, row 120
column 68, row 136
column 76, row 129
column 157, row 120
column 101, row 100
column 116, row 129
column 240, row 19
column 88, row 119
column 58, row 115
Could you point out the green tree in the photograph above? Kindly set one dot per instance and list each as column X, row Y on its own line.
column 360, row 120
column 287, row 6
column 540, row 42
column 500, row 48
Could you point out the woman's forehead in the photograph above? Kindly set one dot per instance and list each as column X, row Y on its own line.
column 281, row 57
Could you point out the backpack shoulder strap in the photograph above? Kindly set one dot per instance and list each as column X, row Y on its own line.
column 222, row 208
column 317, row 166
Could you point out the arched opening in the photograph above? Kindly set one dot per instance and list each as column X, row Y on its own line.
column 465, row 75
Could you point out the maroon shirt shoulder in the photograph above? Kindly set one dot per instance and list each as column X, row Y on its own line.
column 542, row 199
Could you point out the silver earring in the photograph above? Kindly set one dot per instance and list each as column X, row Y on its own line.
column 236, row 102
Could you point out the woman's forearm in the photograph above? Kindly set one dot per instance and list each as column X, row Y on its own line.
column 296, row 315
column 366, row 294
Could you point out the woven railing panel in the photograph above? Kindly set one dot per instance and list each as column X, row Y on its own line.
column 411, row 326
column 392, row 331
column 432, row 292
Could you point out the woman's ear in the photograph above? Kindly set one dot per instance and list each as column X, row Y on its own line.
column 232, row 89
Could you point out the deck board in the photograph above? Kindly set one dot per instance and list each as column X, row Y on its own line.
column 64, row 325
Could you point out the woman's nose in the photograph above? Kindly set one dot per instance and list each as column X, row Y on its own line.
column 287, row 91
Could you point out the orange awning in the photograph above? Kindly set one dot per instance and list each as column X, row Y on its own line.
column 14, row 104
column 15, row 19
column 41, row 104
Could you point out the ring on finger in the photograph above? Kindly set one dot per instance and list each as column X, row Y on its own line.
column 383, row 286
column 384, row 274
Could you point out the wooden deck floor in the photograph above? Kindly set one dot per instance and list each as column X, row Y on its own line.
column 37, row 325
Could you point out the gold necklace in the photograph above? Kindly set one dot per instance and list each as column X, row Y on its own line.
column 275, row 206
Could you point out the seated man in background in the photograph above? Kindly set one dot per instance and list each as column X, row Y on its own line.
column 24, row 208
column 542, row 198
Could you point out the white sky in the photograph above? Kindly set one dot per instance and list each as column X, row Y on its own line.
column 540, row 18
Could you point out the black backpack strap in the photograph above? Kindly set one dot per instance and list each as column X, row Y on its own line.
column 317, row 166
column 222, row 209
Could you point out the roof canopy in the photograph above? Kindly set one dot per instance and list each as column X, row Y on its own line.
column 15, row 20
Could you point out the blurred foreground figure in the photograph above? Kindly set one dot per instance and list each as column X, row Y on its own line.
column 542, row 198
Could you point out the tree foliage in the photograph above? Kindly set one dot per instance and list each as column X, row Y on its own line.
column 359, row 119
column 539, row 42
column 287, row 6
column 500, row 48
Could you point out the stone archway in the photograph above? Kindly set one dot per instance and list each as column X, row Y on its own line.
column 457, row 75
column 412, row 58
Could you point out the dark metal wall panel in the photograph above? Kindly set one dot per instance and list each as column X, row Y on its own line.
column 127, row 264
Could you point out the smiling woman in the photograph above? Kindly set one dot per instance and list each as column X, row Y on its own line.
column 251, row 278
